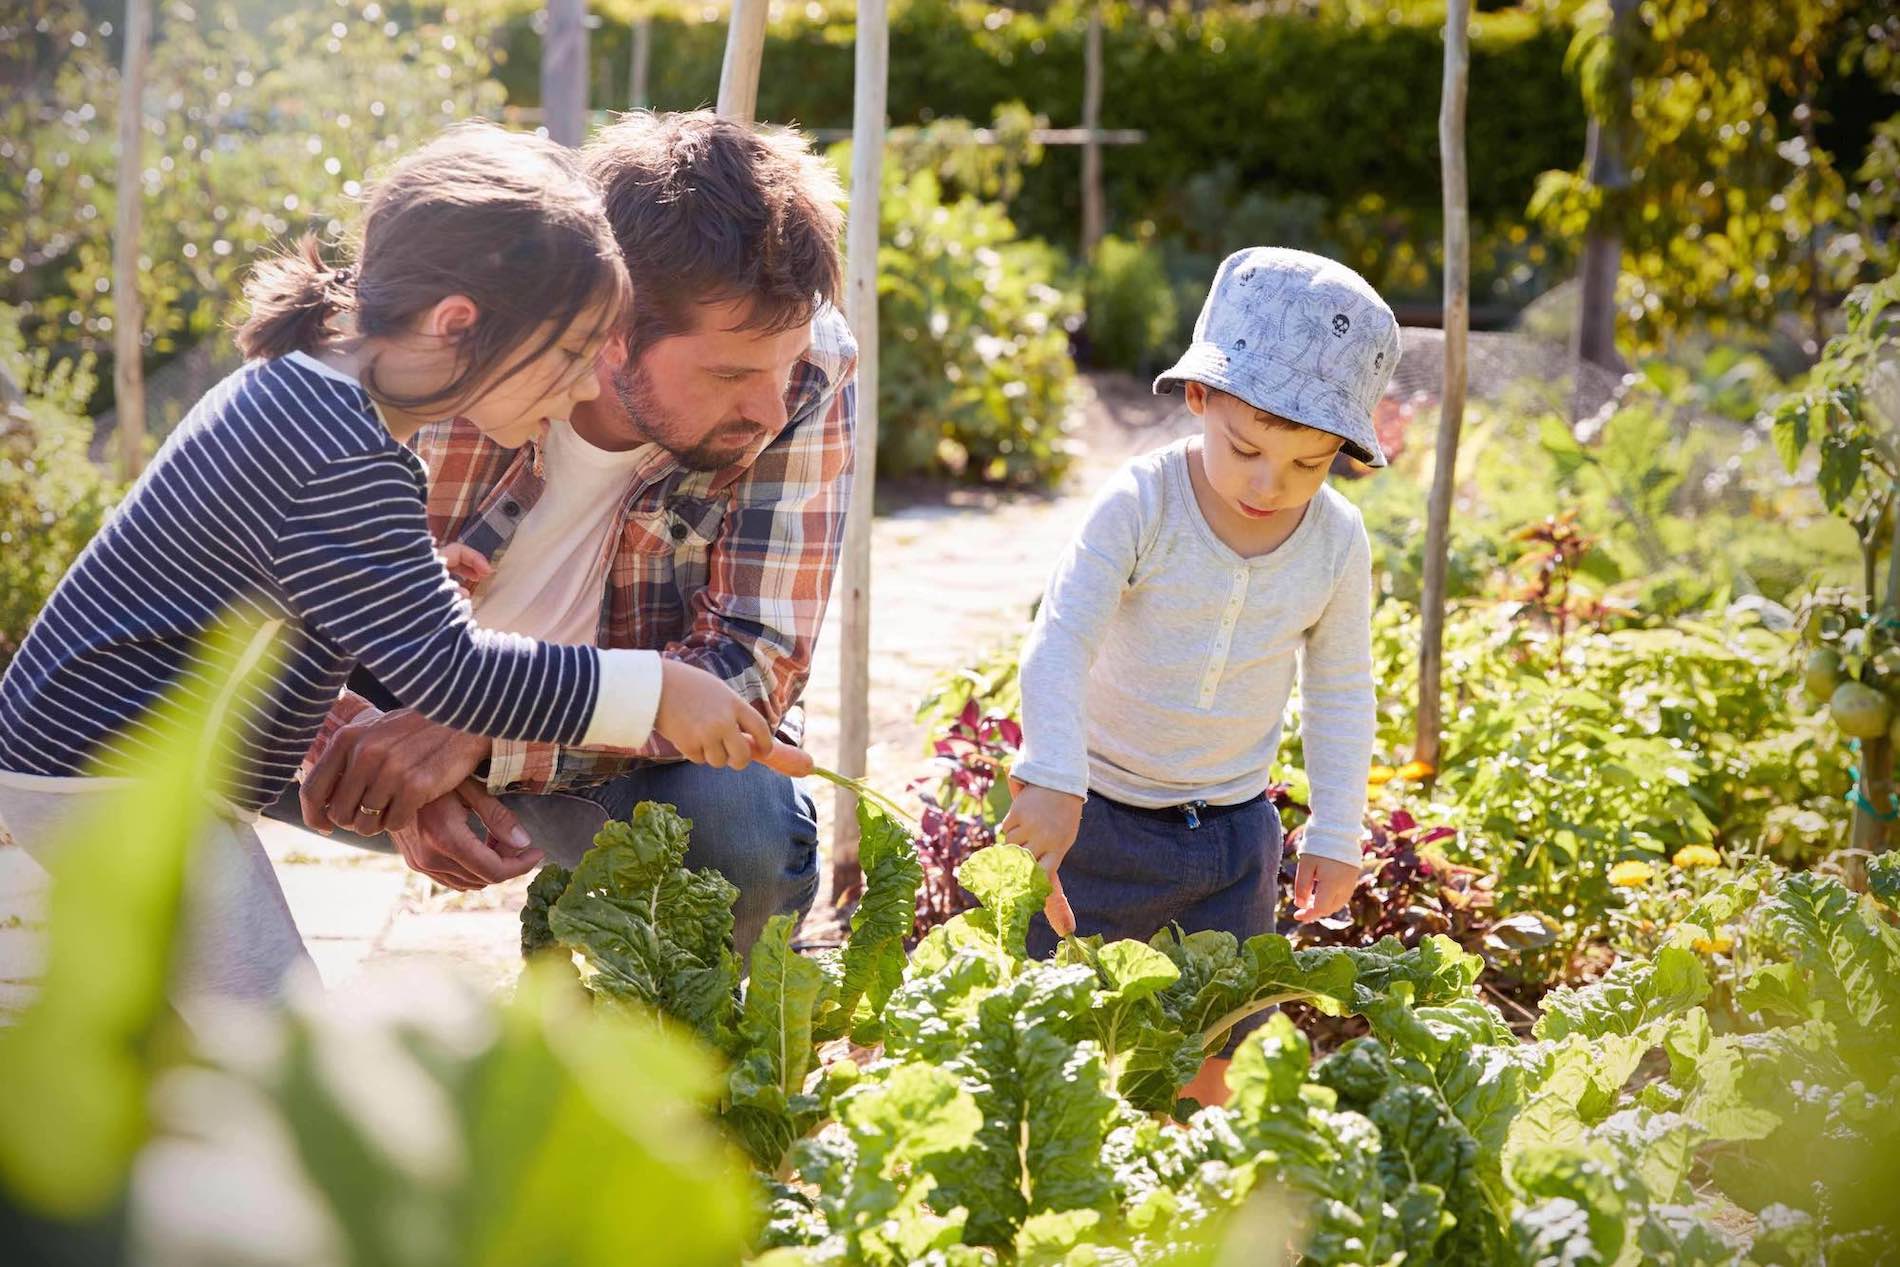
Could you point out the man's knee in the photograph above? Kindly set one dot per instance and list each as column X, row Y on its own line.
column 754, row 826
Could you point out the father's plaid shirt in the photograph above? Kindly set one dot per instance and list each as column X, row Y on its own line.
column 729, row 570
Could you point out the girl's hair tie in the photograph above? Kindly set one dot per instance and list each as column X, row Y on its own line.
column 342, row 277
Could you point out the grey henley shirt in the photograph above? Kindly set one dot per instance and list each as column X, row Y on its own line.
column 1161, row 661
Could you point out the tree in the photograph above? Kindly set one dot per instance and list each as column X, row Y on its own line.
column 260, row 130
column 1714, row 110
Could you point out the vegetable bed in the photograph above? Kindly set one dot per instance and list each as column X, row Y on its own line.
column 964, row 1104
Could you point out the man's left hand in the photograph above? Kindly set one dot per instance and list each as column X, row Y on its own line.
column 377, row 772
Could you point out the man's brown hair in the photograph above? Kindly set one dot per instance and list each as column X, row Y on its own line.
column 707, row 210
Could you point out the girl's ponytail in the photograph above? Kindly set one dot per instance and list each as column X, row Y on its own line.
column 292, row 299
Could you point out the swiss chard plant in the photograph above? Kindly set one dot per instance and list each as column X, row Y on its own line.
column 1003, row 1109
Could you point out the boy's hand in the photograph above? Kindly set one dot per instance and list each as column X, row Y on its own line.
column 1321, row 886
column 1044, row 822
column 707, row 721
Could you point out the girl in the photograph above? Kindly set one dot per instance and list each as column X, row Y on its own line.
column 485, row 284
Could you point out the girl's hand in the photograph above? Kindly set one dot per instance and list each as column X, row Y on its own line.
column 466, row 564
column 1321, row 886
column 707, row 721
column 1045, row 822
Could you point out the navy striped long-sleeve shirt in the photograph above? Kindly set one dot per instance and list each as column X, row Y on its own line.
column 283, row 497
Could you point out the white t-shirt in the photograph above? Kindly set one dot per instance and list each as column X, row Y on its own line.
column 550, row 582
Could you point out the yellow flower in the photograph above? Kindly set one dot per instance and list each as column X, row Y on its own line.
column 1720, row 944
column 1696, row 856
column 1412, row 771
column 1380, row 774
column 1627, row 875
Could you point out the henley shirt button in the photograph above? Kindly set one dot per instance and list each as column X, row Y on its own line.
column 679, row 532
column 511, row 509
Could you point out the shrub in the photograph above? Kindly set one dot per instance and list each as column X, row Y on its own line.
column 1131, row 308
column 52, row 497
column 975, row 377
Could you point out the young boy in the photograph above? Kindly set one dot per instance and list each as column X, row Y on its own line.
column 1157, row 675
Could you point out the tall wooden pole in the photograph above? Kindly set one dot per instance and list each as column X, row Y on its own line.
column 1603, row 244
column 861, row 245
column 1094, row 208
column 639, row 96
column 1451, row 142
column 128, row 315
column 564, row 71
column 745, row 48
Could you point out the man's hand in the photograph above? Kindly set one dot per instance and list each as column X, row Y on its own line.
column 1321, row 886
column 383, row 767
column 441, row 846
column 709, row 723
column 1045, row 822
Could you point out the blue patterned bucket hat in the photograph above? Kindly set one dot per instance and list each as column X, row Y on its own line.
column 1297, row 335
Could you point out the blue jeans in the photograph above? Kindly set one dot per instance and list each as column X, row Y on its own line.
column 755, row 826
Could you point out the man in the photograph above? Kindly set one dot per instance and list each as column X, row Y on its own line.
column 696, row 507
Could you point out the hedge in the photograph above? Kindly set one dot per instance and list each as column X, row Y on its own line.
column 1298, row 106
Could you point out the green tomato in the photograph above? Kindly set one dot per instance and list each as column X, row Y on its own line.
column 1822, row 674
column 1860, row 711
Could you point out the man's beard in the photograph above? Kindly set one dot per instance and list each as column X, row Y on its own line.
column 718, row 449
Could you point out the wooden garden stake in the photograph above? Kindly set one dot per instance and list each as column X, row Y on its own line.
column 745, row 49
column 1451, row 140
column 861, row 246
column 639, row 96
column 564, row 71
column 128, row 317
column 1094, row 206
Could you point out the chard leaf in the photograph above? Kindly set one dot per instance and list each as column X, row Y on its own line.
column 1658, row 1147
column 930, row 1014
column 1578, row 1083
column 1155, row 1065
column 767, row 1107
column 1012, row 888
column 1574, row 1207
column 1328, row 1160
column 1422, row 1146
column 1852, row 969
column 543, row 891
column 1778, row 991
column 1632, row 995
column 651, row 933
column 873, row 959
column 1222, row 982
column 1045, row 1105
column 1149, row 1059
column 1269, row 1069
column 899, row 1125
column 1883, row 878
